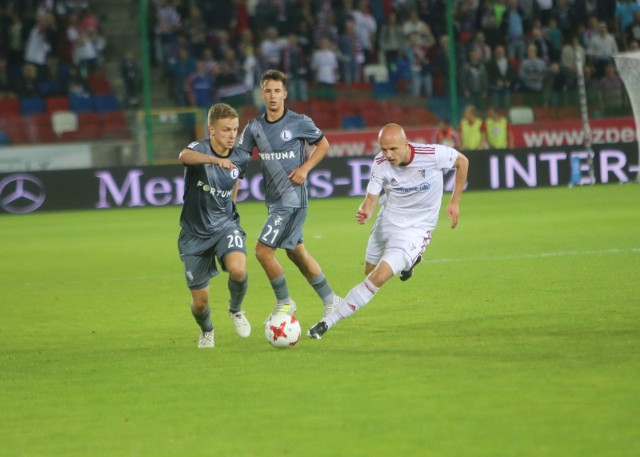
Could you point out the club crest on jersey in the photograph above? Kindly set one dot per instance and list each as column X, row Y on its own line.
column 277, row 221
column 234, row 173
column 286, row 135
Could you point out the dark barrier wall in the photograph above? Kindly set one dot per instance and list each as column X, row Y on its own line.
column 22, row 193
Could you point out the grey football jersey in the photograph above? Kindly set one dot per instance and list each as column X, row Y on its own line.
column 208, row 189
column 281, row 148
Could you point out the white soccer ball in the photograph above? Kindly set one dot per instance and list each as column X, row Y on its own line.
column 282, row 330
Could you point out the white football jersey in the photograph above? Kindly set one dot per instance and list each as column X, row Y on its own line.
column 412, row 192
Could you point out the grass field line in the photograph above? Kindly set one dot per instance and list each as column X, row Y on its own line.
column 540, row 255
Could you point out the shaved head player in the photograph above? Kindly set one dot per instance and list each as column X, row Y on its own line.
column 411, row 176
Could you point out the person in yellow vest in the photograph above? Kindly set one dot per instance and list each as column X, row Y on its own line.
column 472, row 130
column 497, row 130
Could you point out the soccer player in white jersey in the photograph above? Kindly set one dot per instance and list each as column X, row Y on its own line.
column 411, row 176
column 280, row 136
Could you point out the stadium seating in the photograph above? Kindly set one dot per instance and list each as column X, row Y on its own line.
column 114, row 125
column 105, row 103
column 63, row 122
column 99, row 85
column 521, row 115
column 32, row 105
column 38, row 127
column 56, row 103
column 9, row 105
column 89, row 126
column 81, row 103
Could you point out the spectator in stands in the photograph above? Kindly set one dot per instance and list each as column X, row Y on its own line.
column 392, row 42
column 75, row 84
column 497, row 130
column 39, row 42
column 543, row 47
column 555, row 86
column 625, row 12
column 474, row 81
column 221, row 44
column 210, row 63
column 553, row 36
column 589, row 32
column 572, row 52
column 130, row 72
column 632, row 32
column 168, row 26
column 441, row 72
column 6, row 85
column 366, row 29
column 15, row 41
column 447, row 135
column 85, row 55
column 531, row 74
column 501, row 76
column 414, row 24
column 613, row 96
column 591, row 86
column 601, row 49
column 352, row 53
column 265, row 15
column 324, row 63
column 180, row 69
column 271, row 47
column 421, row 68
column 545, row 9
column 199, row 87
column 27, row 85
column 480, row 46
column 513, row 25
column 196, row 29
column 293, row 63
column 472, row 130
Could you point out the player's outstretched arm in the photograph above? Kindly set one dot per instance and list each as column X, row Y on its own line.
column 453, row 208
column 366, row 209
column 191, row 157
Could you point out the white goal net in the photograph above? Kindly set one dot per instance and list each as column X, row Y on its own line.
column 628, row 65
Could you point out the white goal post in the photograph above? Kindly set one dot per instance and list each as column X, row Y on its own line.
column 628, row 65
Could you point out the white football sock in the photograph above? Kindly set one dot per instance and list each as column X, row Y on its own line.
column 357, row 297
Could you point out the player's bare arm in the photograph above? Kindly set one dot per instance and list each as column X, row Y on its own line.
column 366, row 209
column 191, row 157
column 453, row 208
column 299, row 175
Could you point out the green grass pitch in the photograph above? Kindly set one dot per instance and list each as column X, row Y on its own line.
column 519, row 335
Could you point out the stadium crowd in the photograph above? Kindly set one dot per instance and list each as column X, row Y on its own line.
column 209, row 51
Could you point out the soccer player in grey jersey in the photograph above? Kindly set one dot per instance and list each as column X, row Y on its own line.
column 280, row 136
column 210, row 222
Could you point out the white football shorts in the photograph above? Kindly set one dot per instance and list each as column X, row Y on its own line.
column 399, row 247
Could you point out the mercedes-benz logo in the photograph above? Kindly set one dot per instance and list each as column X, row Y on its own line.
column 21, row 193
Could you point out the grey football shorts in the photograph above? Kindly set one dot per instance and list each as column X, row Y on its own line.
column 283, row 228
column 199, row 254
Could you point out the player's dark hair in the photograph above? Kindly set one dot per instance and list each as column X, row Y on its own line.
column 273, row 75
column 221, row 111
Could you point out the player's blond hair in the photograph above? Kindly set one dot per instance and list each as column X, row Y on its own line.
column 221, row 111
